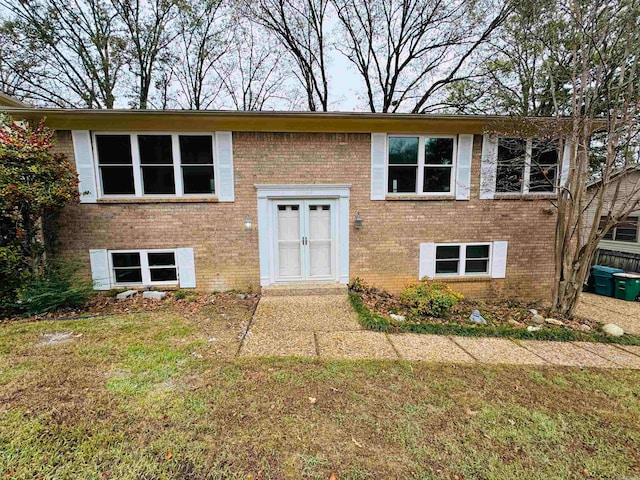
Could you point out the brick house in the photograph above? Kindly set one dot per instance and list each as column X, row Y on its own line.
column 620, row 247
column 236, row 200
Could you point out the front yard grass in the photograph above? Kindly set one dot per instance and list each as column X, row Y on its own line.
column 161, row 395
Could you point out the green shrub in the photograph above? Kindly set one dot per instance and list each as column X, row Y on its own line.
column 429, row 299
column 58, row 289
column 182, row 294
column 13, row 275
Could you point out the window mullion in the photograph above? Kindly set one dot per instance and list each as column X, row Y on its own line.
column 177, row 169
column 454, row 166
column 144, row 263
column 463, row 260
column 420, row 175
column 527, row 166
column 137, row 170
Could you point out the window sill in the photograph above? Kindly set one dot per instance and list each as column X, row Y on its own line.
column 526, row 197
column 420, row 198
column 158, row 200
column 463, row 278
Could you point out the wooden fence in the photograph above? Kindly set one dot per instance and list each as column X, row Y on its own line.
column 629, row 262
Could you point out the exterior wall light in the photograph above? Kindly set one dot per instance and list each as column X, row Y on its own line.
column 247, row 222
column 357, row 222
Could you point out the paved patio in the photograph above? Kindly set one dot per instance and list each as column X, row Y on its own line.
column 325, row 326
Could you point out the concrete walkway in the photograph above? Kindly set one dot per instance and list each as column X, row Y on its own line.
column 325, row 326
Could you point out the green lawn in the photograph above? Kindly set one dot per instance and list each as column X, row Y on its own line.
column 149, row 396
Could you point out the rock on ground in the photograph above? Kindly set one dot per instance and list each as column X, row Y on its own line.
column 537, row 319
column 126, row 295
column 553, row 321
column 154, row 295
column 613, row 330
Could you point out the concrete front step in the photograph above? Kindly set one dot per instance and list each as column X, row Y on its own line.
column 303, row 289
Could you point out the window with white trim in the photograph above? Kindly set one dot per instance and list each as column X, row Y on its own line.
column 526, row 165
column 421, row 164
column 155, row 164
column 463, row 259
column 143, row 267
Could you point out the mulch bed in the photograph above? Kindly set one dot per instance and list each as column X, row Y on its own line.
column 194, row 304
column 507, row 313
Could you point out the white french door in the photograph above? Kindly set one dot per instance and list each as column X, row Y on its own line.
column 304, row 240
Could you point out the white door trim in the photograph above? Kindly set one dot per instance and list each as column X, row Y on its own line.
column 268, row 192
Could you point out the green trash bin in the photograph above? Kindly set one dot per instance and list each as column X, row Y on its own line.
column 627, row 286
column 603, row 279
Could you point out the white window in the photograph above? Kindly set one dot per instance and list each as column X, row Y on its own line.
column 143, row 267
column 463, row 259
column 526, row 166
column 155, row 164
column 421, row 164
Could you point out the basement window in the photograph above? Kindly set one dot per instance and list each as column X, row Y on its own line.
column 144, row 267
column 465, row 259
column 155, row 164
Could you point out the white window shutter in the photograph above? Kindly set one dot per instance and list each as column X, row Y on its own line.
column 378, row 161
column 100, row 269
column 427, row 266
column 186, row 267
column 499, row 260
column 85, row 165
column 463, row 167
column 224, row 159
column 489, row 167
column 566, row 163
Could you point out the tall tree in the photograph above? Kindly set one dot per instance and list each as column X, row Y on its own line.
column 408, row 51
column 253, row 73
column 203, row 38
column 602, row 42
column 75, row 51
column 147, row 25
column 301, row 26
column 521, row 75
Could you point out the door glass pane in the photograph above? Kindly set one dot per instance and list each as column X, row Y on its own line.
column 320, row 234
column 288, row 224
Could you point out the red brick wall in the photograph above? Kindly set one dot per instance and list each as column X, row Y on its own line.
column 383, row 253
